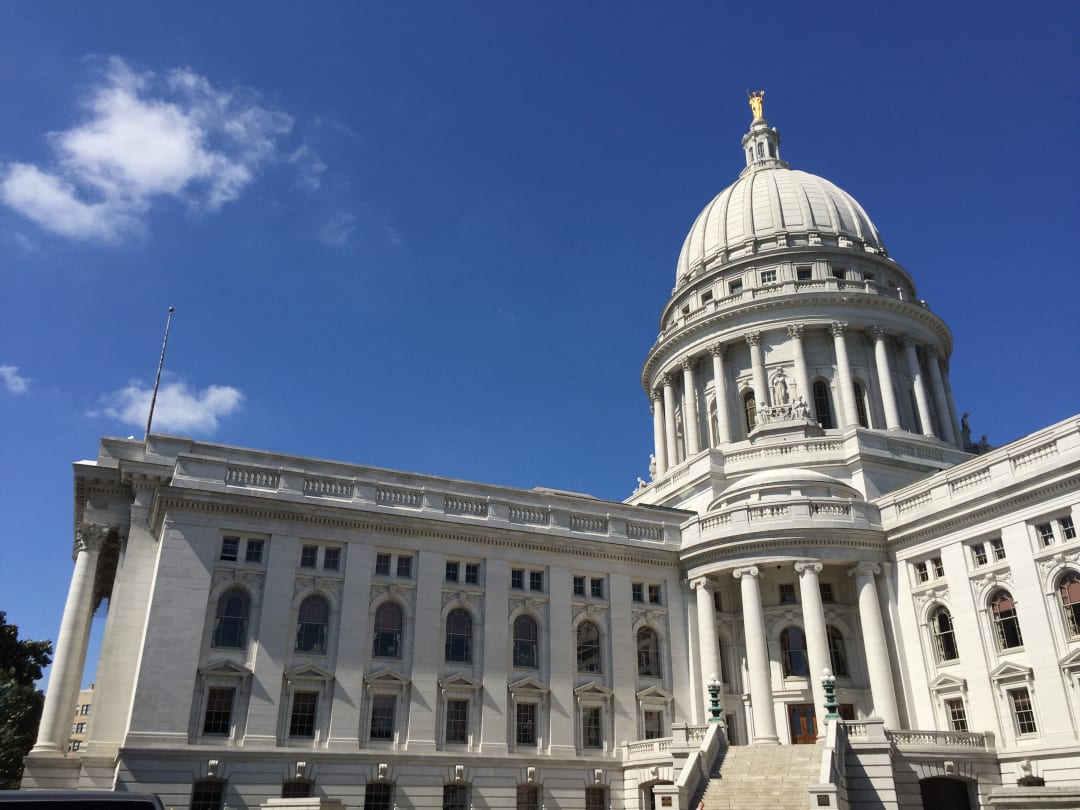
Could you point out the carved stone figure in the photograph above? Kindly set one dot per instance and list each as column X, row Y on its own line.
column 652, row 466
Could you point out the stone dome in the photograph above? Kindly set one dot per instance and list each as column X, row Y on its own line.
column 773, row 206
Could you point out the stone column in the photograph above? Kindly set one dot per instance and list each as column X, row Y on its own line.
column 669, row 421
column 761, row 381
column 658, row 432
column 708, row 644
column 757, row 656
column 921, row 400
column 720, row 388
column 954, row 420
column 875, row 646
column 885, row 383
column 941, row 402
column 65, row 677
column 817, row 640
column 849, row 413
column 690, row 414
column 802, row 379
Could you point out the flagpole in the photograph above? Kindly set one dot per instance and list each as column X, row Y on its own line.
column 157, row 379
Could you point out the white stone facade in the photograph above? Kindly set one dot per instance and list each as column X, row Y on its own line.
column 279, row 625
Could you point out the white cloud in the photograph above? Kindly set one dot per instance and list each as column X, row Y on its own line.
column 13, row 382
column 144, row 138
column 178, row 407
column 337, row 231
column 310, row 166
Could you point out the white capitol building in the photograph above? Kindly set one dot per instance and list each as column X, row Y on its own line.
column 291, row 632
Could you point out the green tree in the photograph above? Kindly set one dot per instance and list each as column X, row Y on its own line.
column 21, row 663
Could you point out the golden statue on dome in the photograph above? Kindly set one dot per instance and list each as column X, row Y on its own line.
column 757, row 104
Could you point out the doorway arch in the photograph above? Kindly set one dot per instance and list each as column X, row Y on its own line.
column 945, row 793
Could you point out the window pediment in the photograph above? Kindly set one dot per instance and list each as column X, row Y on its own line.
column 528, row 686
column 308, row 672
column 459, row 681
column 1010, row 672
column 948, row 683
column 225, row 669
column 654, row 693
column 386, row 677
column 592, row 689
column 1071, row 661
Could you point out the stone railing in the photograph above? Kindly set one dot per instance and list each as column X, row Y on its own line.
column 798, row 510
column 643, row 749
column 408, row 498
column 249, row 477
column 639, row 531
column 454, row 505
column 784, row 452
column 1034, row 455
column 535, row 517
column 328, row 488
column 587, row 523
column 831, row 789
column 953, row 739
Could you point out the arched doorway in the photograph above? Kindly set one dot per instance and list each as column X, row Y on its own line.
column 648, row 800
column 944, row 793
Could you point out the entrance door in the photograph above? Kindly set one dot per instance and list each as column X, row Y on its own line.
column 803, row 723
column 943, row 793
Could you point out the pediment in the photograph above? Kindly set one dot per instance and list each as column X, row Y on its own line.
column 1070, row 661
column 1010, row 672
column 385, row 677
column 530, row 685
column 948, row 683
column 225, row 668
column 654, row 692
column 593, row 689
column 308, row 672
column 459, row 681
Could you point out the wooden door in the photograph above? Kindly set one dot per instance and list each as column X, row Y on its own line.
column 803, row 723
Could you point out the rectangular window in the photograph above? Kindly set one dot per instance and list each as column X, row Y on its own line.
column 457, row 721
column 302, row 719
column 826, row 592
column 839, row 273
column 525, row 723
column 379, row 796
column 735, row 287
column 207, row 794
column 998, row 547
column 579, row 586
column 331, row 559
column 219, row 703
column 230, row 548
column 768, row 276
column 472, row 573
column 76, row 745
column 85, row 709
column 1022, row 711
column 80, row 728
column 596, row 798
column 804, row 273
column 590, row 728
column 1046, row 533
column 637, row 592
column 452, row 571
column 404, row 567
column 867, row 276
column 536, row 581
column 706, row 297
column 921, row 572
column 787, row 593
column 382, row 565
column 1068, row 530
column 939, row 569
column 382, row 717
column 654, row 725
column 654, row 595
column 455, row 797
column 596, row 587
column 978, row 553
column 517, row 579
column 954, row 707
column 309, row 556
column 253, row 552
column 528, row 797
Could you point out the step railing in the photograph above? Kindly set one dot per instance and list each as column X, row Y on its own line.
column 831, row 789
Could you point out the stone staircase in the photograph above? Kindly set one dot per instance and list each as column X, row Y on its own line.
column 764, row 777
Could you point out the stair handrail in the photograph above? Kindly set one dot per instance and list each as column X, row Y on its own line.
column 831, row 790
column 699, row 765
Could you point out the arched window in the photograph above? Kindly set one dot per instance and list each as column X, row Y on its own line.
column 749, row 410
column 459, row 636
column 648, row 653
column 1006, row 622
column 526, row 645
column 941, row 628
column 793, row 650
column 761, row 150
column 823, row 404
column 837, row 656
column 1069, row 589
column 388, row 625
column 313, row 624
column 588, row 647
column 231, row 620
column 860, row 405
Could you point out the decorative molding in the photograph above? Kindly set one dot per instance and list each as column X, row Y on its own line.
column 591, row 611
column 305, row 583
column 460, row 596
column 530, row 604
column 795, row 331
column 813, row 566
column 750, row 571
column 753, row 338
column 837, row 328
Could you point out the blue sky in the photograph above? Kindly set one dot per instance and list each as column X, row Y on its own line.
column 438, row 236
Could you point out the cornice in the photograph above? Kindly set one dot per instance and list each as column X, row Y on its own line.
column 795, row 547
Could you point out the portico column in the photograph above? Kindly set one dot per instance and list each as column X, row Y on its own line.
column 690, row 408
column 669, row 421
column 65, row 678
column 884, row 371
column 720, row 389
column 757, row 656
column 761, row 382
column 802, row 379
column 874, row 644
column 659, row 453
column 941, row 402
column 708, row 645
column 843, row 370
column 817, row 639
column 954, row 422
column 921, row 400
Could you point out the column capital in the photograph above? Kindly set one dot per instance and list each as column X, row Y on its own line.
column 718, row 350
column 864, row 569
column 878, row 332
column 795, row 331
column 908, row 340
column 688, row 363
column 753, row 338
column 91, row 537
column 838, row 328
column 701, row 583
column 811, row 566
column 931, row 351
column 667, row 381
column 656, row 395
column 750, row 571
